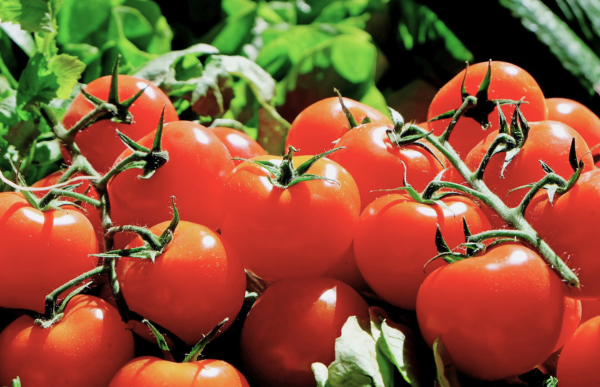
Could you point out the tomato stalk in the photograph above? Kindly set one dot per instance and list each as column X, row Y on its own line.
column 199, row 347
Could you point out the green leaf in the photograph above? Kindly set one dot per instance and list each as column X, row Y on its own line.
column 80, row 19
column 32, row 15
column 67, row 70
column 235, row 31
column 375, row 99
column 118, row 30
column 552, row 382
column 562, row 41
column 321, row 374
column 21, row 37
column 446, row 371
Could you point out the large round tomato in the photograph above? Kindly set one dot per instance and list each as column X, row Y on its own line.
column 395, row 238
column 316, row 128
column 578, row 117
column 589, row 310
column 40, row 251
column 499, row 315
column 150, row 371
column 190, row 288
column 295, row 232
column 99, row 143
column 86, row 348
column 195, row 174
column 578, row 362
column 239, row 144
column 571, row 320
column 294, row 324
column 508, row 82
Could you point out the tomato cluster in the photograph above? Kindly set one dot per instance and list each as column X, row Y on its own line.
column 312, row 228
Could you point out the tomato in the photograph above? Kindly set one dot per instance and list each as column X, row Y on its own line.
column 578, row 117
column 150, row 371
column 566, row 225
column 239, row 144
column 91, row 212
column 589, row 310
column 346, row 270
column 508, row 82
column 578, row 362
column 86, row 348
column 316, row 128
column 190, row 288
column 395, row 238
column 571, row 320
column 40, row 251
column 499, row 315
column 376, row 163
column 294, row 324
column 195, row 175
column 295, row 232
column 99, row 143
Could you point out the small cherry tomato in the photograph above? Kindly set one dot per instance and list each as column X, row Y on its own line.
column 239, row 144
column 578, row 361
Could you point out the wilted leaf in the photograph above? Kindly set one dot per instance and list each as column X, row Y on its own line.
column 446, row 371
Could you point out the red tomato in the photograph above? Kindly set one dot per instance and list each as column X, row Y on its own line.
column 239, row 144
column 316, row 128
column 567, row 227
column 395, row 238
column 508, row 82
column 40, row 251
column 190, row 288
column 150, row 371
column 499, row 315
column 295, row 232
column 346, row 270
column 578, row 117
column 99, row 143
column 86, row 348
column 195, row 175
column 93, row 214
column 589, row 310
column 571, row 320
column 578, row 362
column 294, row 324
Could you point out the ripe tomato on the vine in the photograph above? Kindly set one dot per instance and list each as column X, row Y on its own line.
column 578, row 117
column 99, row 143
column 85, row 348
column 571, row 320
column 507, row 82
column 238, row 143
column 578, row 362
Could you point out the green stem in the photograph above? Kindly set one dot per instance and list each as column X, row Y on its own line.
column 144, row 233
column 7, row 74
column 469, row 102
column 550, row 178
column 502, row 138
column 87, row 120
column 198, row 348
column 502, row 234
column 123, row 164
column 59, row 192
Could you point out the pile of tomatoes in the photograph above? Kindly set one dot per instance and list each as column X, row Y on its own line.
column 316, row 228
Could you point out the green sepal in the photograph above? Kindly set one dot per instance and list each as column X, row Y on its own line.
column 463, row 88
column 351, row 120
column 303, row 178
column 504, row 128
column 134, row 146
column 443, row 116
column 303, row 168
column 397, row 119
column 482, row 93
column 199, row 347
column 510, row 155
column 573, row 157
column 546, row 167
column 473, row 248
column 63, row 303
column 466, row 230
column 517, row 133
column 45, row 324
column 160, row 340
column 366, row 120
column 16, row 382
column 440, row 243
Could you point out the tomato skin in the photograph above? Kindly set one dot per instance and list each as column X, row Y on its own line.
column 239, row 144
column 508, row 82
column 556, row 224
column 375, row 163
column 499, row 315
column 190, row 288
column 99, row 143
column 40, row 251
column 578, row 362
column 589, row 310
column 571, row 320
column 577, row 116
column 85, row 348
column 395, row 239
column 150, row 371
column 296, row 232
column 316, row 128
column 294, row 324
column 195, row 174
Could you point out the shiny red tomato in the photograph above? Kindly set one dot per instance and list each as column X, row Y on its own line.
column 316, row 128
column 395, row 238
column 578, row 117
column 294, row 324
column 295, row 232
column 567, row 227
column 195, row 175
column 239, row 144
column 578, row 362
column 86, row 348
column 571, row 320
column 190, row 288
column 99, row 143
column 40, row 251
column 150, row 371
column 499, row 315
column 508, row 82
column 589, row 310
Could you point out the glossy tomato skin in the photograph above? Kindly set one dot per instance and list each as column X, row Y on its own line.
column 86, row 348
column 566, row 226
column 499, row 315
column 589, row 310
column 190, row 288
column 375, row 163
column 316, row 128
column 395, row 238
column 571, row 320
column 295, row 232
column 578, row 362
column 294, row 324
column 150, row 371
column 195, row 175
column 508, row 82
column 239, row 144
column 40, row 251
column 578, row 117
column 99, row 143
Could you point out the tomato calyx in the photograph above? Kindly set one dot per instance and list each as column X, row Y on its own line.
column 351, row 120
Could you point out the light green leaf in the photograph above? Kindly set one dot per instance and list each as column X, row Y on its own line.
column 321, row 374
column 80, row 19
column 118, row 30
column 375, row 99
column 68, row 70
column 446, row 371
column 32, row 15
column 234, row 32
